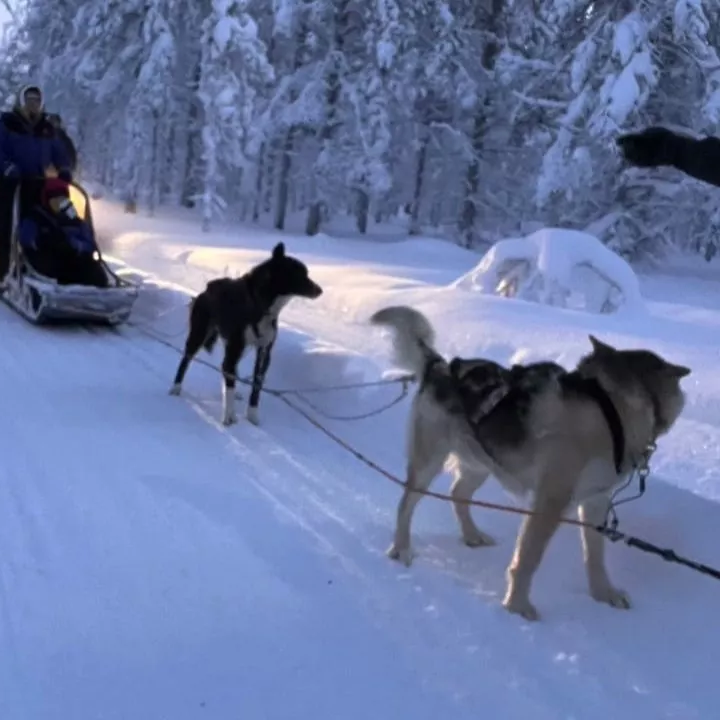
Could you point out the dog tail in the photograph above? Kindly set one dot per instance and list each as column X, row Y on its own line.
column 199, row 312
column 414, row 338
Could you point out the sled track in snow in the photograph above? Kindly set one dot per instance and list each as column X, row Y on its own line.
column 299, row 495
column 319, row 496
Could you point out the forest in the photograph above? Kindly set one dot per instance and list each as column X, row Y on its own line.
column 468, row 119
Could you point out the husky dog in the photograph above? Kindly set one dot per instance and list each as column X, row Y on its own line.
column 244, row 311
column 565, row 437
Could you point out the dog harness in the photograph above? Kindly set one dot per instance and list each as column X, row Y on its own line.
column 593, row 389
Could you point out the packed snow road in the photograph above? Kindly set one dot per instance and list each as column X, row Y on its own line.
column 154, row 565
column 144, row 571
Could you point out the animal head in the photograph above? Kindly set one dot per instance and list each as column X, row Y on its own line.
column 287, row 277
column 639, row 377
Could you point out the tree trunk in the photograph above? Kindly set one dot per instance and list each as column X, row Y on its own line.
column 419, row 177
column 314, row 219
column 289, row 142
column 284, row 180
column 257, row 202
column 190, row 184
column 332, row 95
column 362, row 210
column 491, row 23
column 468, row 214
column 155, row 174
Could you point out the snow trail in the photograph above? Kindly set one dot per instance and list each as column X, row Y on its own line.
column 154, row 564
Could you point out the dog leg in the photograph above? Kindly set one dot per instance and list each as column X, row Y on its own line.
column 535, row 534
column 200, row 327
column 233, row 352
column 466, row 483
column 262, row 363
column 594, row 511
column 427, row 454
column 417, row 480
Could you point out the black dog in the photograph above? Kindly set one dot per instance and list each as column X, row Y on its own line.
column 657, row 146
column 244, row 311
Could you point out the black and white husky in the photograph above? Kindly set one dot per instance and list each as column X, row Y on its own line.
column 244, row 311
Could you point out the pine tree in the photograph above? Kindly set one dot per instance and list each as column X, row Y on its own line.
column 233, row 68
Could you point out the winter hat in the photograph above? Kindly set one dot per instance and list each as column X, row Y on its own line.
column 29, row 90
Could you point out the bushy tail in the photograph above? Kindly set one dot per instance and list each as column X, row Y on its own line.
column 414, row 338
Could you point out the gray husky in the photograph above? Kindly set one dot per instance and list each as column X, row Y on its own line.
column 566, row 438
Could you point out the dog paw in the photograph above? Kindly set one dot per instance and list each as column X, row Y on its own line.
column 611, row 596
column 230, row 419
column 522, row 607
column 477, row 538
column 253, row 416
column 175, row 389
column 403, row 555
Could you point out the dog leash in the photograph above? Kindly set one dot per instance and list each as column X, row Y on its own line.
column 609, row 531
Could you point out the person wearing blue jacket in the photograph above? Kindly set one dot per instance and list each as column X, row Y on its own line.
column 29, row 147
column 29, row 141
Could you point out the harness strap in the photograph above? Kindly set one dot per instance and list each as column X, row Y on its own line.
column 592, row 388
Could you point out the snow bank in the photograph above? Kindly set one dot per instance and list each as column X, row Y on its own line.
column 556, row 266
column 359, row 277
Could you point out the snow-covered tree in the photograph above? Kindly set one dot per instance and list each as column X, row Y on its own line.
column 474, row 119
column 233, row 69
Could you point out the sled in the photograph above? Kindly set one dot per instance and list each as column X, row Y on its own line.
column 41, row 299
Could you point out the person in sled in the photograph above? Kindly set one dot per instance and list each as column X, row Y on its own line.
column 56, row 242
column 29, row 147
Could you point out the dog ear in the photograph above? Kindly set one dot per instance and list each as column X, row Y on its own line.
column 678, row 371
column 600, row 348
column 278, row 251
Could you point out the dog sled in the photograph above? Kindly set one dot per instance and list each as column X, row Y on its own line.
column 42, row 298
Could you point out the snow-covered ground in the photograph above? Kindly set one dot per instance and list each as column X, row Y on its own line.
column 155, row 565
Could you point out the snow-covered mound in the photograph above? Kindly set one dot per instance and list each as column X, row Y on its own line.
column 560, row 267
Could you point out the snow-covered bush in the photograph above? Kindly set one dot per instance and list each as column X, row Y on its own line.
column 560, row 267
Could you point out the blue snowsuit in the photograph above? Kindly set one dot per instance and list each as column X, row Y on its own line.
column 78, row 234
column 61, row 248
column 32, row 149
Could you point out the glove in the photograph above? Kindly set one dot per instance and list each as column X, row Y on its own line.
column 10, row 170
column 652, row 147
column 65, row 175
